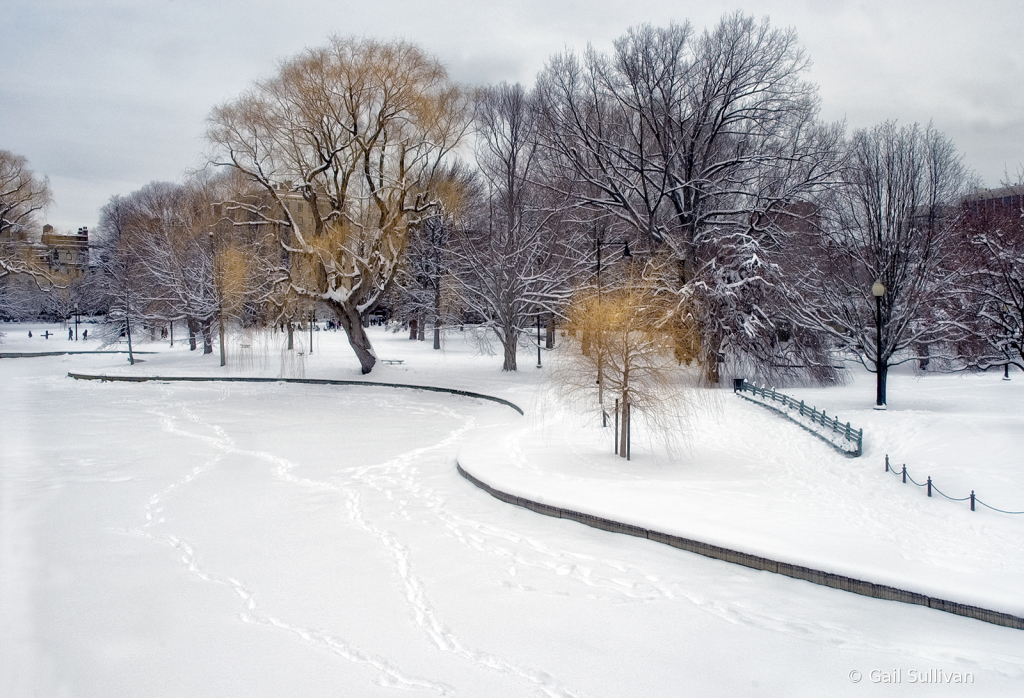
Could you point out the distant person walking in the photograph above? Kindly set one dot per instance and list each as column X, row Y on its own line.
column 85, row 335
column 71, row 334
column 30, row 334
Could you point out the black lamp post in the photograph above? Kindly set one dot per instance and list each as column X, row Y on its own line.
column 538, row 340
column 76, row 321
column 627, row 254
column 597, row 243
column 1006, row 366
column 220, row 300
column 878, row 290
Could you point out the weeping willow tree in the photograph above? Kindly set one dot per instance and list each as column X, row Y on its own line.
column 625, row 344
column 343, row 145
column 22, row 196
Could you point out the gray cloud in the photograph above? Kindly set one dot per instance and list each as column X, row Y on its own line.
column 106, row 95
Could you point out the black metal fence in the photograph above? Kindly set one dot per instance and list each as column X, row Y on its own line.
column 854, row 437
column 931, row 487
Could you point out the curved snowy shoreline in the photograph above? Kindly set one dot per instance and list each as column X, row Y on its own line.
column 807, row 574
column 528, row 499
column 310, row 381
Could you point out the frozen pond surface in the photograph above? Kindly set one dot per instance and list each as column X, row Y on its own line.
column 267, row 540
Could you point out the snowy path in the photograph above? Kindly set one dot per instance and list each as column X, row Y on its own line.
column 255, row 540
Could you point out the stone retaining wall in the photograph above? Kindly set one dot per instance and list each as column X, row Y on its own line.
column 807, row 574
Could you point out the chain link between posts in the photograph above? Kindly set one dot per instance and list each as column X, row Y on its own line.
column 973, row 498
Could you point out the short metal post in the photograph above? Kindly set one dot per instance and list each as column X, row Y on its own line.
column 972, row 500
column 929, row 485
column 886, row 462
column 904, row 473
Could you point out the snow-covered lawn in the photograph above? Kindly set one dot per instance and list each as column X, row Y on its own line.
column 177, row 539
column 749, row 480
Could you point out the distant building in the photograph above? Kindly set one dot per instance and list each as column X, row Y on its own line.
column 992, row 201
column 68, row 255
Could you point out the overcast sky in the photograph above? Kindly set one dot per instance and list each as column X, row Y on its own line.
column 103, row 96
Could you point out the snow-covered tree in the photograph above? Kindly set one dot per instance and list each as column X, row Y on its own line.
column 991, row 250
column 426, row 283
column 343, row 142
column 22, row 196
column 120, row 277
column 696, row 143
column 892, row 221
column 520, row 255
column 186, row 260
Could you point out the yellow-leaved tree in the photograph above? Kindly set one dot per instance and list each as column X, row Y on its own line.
column 624, row 346
column 343, row 144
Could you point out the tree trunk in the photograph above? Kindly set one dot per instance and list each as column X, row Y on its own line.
column 357, row 339
column 549, row 341
column 207, row 336
column 193, row 327
column 291, row 336
column 437, row 316
column 509, row 341
column 128, row 330
column 421, row 331
column 220, row 324
column 623, row 425
column 712, row 368
column 412, row 328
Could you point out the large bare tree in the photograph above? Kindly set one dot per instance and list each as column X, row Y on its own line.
column 892, row 222
column 519, row 257
column 697, row 143
column 353, row 133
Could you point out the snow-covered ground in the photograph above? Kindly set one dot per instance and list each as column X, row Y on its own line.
column 180, row 539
